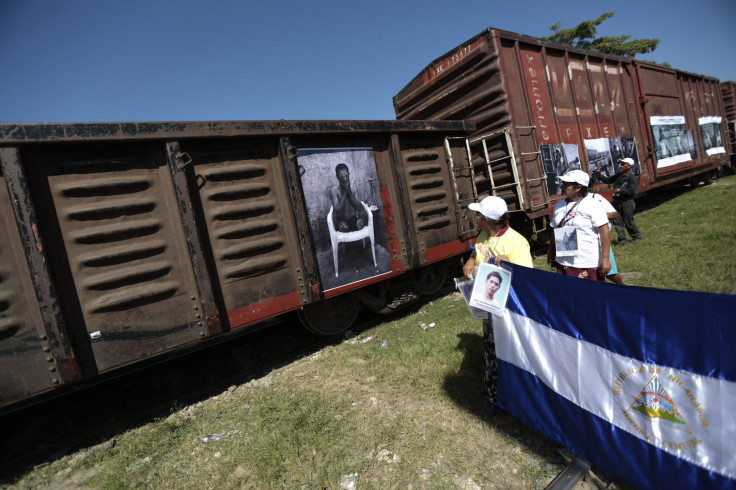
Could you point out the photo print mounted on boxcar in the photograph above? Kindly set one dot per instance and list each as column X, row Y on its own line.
column 345, row 212
column 629, row 150
column 599, row 157
column 558, row 159
column 670, row 140
column 710, row 130
column 623, row 148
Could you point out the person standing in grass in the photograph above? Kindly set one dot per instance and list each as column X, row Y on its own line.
column 611, row 213
column 496, row 242
column 625, row 184
column 586, row 217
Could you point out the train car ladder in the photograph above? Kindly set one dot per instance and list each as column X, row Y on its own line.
column 454, row 171
column 509, row 156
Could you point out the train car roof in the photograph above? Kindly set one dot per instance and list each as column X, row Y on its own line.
column 87, row 131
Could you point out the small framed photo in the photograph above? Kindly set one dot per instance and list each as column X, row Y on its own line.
column 491, row 289
column 566, row 241
column 466, row 289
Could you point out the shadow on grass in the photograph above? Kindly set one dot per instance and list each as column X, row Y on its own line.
column 465, row 388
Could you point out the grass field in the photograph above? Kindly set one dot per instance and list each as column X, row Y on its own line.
column 407, row 414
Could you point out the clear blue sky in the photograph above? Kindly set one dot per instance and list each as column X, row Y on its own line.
column 163, row 60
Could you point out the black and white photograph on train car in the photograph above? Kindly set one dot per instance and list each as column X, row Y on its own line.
column 670, row 140
column 710, row 130
column 558, row 159
column 599, row 157
column 629, row 150
column 345, row 214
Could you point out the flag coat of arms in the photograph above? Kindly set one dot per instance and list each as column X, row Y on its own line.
column 641, row 382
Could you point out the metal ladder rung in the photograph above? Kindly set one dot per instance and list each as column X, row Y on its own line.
column 504, row 186
column 499, row 159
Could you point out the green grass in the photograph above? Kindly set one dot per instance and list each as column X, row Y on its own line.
column 410, row 413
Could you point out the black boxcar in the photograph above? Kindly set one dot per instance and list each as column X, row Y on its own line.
column 124, row 241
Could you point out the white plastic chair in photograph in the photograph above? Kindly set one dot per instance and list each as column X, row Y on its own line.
column 338, row 237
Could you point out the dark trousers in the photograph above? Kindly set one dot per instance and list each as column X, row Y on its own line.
column 625, row 210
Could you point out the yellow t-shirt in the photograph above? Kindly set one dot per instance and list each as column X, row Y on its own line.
column 511, row 244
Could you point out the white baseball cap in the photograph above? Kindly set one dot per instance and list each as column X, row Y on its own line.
column 630, row 161
column 577, row 176
column 492, row 207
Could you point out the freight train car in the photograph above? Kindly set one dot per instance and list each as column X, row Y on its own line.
column 541, row 109
column 728, row 91
column 125, row 241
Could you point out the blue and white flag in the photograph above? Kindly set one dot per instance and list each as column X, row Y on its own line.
column 640, row 382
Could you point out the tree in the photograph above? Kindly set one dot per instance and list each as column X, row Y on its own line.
column 583, row 36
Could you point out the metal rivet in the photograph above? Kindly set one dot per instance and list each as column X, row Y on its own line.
column 55, row 381
column 195, row 307
column 201, row 334
column 43, row 337
column 46, row 349
column 192, row 297
column 197, row 316
column 49, row 359
column 199, row 324
column 52, row 369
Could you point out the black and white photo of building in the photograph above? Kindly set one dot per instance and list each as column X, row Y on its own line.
column 710, row 131
column 670, row 140
column 630, row 150
column 599, row 157
column 558, row 159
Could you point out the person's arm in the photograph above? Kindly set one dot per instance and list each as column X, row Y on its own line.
column 469, row 267
column 338, row 201
column 605, row 180
column 352, row 199
column 605, row 263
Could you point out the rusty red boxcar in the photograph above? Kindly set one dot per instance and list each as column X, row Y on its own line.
column 125, row 241
column 541, row 109
column 728, row 91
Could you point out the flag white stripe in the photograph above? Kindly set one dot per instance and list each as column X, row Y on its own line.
column 607, row 385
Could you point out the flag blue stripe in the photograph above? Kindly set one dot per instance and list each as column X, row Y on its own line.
column 652, row 325
column 616, row 451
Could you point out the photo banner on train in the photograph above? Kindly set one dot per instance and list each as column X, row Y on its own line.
column 345, row 213
column 673, row 143
column 628, row 382
column 710, row 131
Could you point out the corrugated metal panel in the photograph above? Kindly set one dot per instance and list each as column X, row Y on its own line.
column 27, row 363
column 114, row 211
column 243, row 197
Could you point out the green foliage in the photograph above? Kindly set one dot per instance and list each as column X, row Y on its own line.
column 583, row 36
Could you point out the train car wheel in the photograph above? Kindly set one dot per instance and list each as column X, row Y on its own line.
column 331, row 316
column 429, row 279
